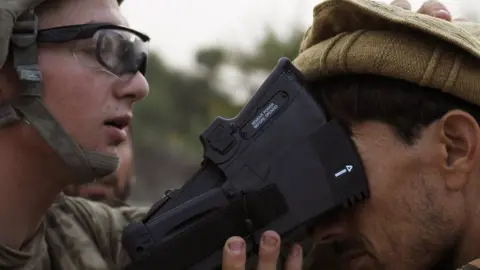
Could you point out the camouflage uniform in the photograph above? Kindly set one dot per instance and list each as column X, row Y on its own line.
column 76, row 234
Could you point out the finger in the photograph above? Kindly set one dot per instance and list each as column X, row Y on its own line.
column 435, row 9
column 405, row 4
column 295, row 258
column 234, row 256
column 269, row 251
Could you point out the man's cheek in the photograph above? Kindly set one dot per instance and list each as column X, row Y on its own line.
column 369, row 224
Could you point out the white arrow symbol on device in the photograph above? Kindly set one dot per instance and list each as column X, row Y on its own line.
column 348, row 168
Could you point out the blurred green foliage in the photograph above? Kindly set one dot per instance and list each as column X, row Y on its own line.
column 182, row 104
column 179, row 107
column 268, row 51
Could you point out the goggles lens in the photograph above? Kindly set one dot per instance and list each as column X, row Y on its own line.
column 118, row 50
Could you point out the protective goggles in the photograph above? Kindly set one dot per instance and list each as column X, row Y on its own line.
column 119, row 50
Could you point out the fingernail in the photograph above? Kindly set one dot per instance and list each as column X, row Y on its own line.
column 296, row 250
column 269, row 241
column 441, row 13
column 402, row 4
column 236, row 247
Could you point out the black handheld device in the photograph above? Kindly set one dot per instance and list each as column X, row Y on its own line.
column 279, row 165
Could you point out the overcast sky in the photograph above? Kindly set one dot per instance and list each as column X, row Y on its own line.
column 178, row 27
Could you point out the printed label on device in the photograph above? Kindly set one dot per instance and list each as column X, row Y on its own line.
column 265, row 114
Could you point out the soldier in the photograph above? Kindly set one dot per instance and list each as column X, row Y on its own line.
column 70, row 74
column 407, row 87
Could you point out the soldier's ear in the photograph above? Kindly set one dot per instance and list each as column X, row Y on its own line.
column 3, row 87
column 9, row 83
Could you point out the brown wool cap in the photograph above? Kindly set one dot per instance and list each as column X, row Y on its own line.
column 363, row 36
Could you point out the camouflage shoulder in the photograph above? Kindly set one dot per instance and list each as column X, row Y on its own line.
column 85, row 209
column 113, row 202
column 473, row 265
column 102, row 223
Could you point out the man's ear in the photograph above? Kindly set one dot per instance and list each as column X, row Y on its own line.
column 460, row 135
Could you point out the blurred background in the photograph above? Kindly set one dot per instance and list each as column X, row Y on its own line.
column 206, row 59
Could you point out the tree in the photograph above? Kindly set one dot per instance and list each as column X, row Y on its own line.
column 270, row 49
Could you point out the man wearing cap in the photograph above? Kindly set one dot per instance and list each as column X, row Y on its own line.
column 407, row 86
column 70, row 74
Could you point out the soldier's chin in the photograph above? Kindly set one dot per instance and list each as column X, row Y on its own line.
column 108, row 150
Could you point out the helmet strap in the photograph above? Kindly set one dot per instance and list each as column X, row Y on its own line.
column 86, row 165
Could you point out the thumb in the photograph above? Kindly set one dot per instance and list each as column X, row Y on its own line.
column 435, row 9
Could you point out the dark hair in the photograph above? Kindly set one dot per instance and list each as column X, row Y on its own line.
column 407, row 107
